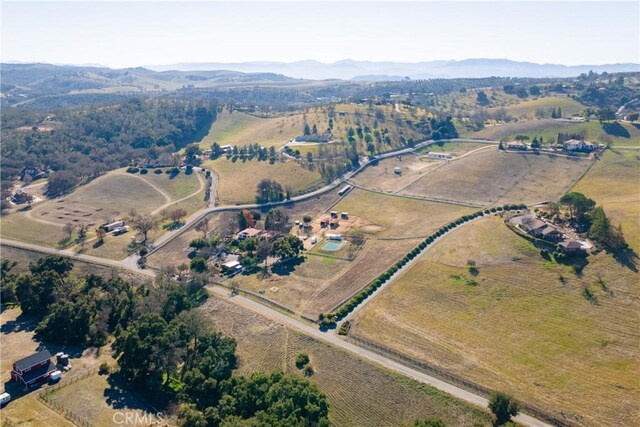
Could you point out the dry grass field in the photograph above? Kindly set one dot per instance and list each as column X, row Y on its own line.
column 238, row 180
column 105, row 199
column 523, row 325
column 359, row 393
column 549, row 130
column 393, row 226
column 613, row 183
column 241, row 129
column 527, row 109
column 492, row 177
column 382, row 177
column 103, row 401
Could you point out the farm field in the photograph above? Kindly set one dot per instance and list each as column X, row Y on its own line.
column 527, row 109
column 393, row 226
column 613, row 183
column 493, row 177
column 522, row 324
column 381, row 176
column 549, row 129
column 384, row 399
column 238, row 180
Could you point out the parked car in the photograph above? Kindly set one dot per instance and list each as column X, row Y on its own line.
column 4, row 398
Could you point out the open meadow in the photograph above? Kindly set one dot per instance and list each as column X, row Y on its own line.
column 238, row 180
column 621, row 133
column 531, row 109
column 613, row 183
column 560, row 339
column 383, row 399
column 493, row 177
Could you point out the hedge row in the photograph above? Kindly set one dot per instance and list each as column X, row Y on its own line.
column 355, row 300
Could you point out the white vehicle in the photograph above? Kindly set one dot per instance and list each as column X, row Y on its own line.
column 4, row 398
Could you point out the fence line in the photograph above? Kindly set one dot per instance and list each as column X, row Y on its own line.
column 44, row 397
column 458, row 380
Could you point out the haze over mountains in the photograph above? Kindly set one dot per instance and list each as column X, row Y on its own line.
column 370, row 70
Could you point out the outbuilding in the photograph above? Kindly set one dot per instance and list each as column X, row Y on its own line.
column 33, row 369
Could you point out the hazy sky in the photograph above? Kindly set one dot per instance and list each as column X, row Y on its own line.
column 120, row 34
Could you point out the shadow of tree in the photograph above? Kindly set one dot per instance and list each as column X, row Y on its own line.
column 22, row 323
column 288, row 267
column 119, row 396
column 616, row 129
column 628, row 258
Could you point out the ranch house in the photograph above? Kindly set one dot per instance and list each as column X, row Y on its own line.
column 33, row 369
column 570, row 247
column 249, row 232
column 579, row 146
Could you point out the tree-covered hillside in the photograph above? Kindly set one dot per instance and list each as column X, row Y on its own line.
column 78, row 145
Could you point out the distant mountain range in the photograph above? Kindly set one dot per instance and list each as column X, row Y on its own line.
column 368, row 70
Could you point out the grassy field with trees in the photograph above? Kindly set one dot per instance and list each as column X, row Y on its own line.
column 557, row 337
column 613, row 183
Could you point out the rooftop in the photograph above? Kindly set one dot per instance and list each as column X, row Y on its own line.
column 32, row 360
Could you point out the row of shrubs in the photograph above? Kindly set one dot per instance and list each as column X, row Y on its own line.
column 355, row 300
column 144, row 171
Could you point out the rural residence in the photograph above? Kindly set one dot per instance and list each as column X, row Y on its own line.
column 249, row 232
column 439, row 156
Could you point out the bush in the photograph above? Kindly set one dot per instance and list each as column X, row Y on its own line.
column 131, row 169
column 503, row 407
column 302, row 360
column 143, row 171
column 157, row 171
column 104, row 369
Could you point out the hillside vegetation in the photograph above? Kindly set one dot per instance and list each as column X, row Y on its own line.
column 86, row 143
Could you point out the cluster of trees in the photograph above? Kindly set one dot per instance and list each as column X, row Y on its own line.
column 87, row 142
column 246, row 152
column 77, row 310
column 269, row 190
column 174, row 356
column 556, row 113
column 587, row 216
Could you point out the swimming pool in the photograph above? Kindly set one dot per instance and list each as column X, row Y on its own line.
column 332, row 246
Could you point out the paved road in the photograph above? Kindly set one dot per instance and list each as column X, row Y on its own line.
column 73, row 255
column 365, row 354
